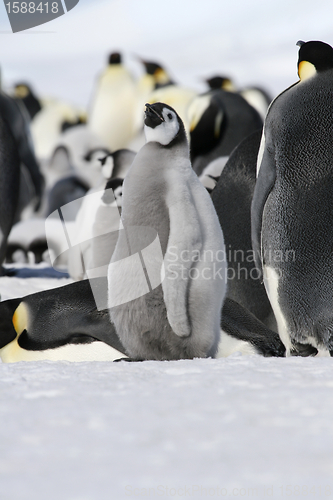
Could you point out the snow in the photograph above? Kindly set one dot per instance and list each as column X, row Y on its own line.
column 233, row 427
column 236, row 427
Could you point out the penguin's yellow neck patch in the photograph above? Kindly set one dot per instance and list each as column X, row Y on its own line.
column 306, row 70
column 13, row 352
column 161, row 76
column 228, row 86
column 20, row 318
column 21, row 91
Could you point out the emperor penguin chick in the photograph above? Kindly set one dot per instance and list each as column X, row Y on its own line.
column 166, row 277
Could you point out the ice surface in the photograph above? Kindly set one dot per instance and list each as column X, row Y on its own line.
column 234, row 427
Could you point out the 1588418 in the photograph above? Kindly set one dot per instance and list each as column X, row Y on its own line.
column 32, row 7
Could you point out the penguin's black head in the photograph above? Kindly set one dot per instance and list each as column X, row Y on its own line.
column 220, row 82
column 313, row 57
column 151, row 67
column 115, row 58
column 163, row 125
column 159, row 74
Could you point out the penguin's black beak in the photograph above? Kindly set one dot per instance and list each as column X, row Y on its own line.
column 152, row 117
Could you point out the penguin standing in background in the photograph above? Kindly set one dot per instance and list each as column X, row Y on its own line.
column 31, row 179
column 159, row 76
column 219, row 121
column 221, row 82
column 112, row 110
column 9, row 184
column 166, row 281
column 50, row 122
column 292, row 211
column 255, row 96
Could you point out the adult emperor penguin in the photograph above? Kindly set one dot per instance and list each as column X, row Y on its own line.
column 58, row 324
column 9, row 184
column 219, row 121
column 166, row 277
column 16, row 118
column 292, row 213
column 255, row 96
column 111, row 115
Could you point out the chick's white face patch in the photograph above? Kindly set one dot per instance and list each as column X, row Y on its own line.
column 166, row 131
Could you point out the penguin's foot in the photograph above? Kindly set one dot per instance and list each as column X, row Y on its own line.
column 303, row 350
column 129, row 360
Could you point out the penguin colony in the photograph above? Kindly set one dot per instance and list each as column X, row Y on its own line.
column 162, row 190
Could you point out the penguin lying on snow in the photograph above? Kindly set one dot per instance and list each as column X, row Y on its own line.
column 63, row 324
column 58, row 324
column 292, row 211
column 180, row 317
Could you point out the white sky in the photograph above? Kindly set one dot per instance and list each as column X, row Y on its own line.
column 251, row 40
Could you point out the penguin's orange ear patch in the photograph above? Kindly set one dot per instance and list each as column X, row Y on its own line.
column 20, row 318
column 306, row 70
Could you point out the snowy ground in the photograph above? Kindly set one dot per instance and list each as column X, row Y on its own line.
column 236, row 427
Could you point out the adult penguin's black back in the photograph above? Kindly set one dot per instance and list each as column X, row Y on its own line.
column 9, row 184
column 14, row 114
column 219, row 121
column 232, row 198
column 292, row 210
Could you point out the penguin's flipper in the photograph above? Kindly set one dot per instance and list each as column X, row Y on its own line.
column 184, row 238
column 243, row 329
column 59, row 324
column 264, row 184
